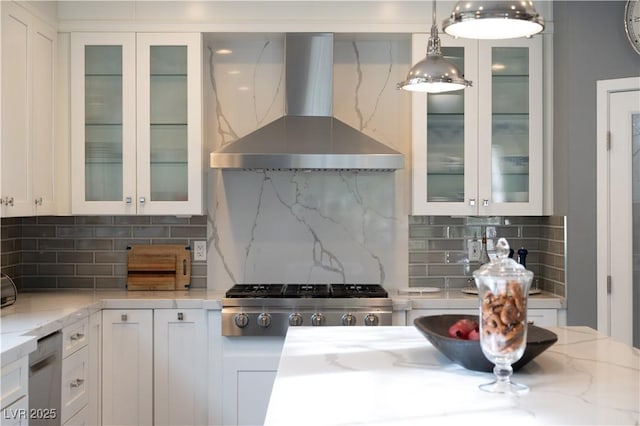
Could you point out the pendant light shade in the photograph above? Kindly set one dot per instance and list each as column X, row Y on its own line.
column 434, row 74
column 493, row 19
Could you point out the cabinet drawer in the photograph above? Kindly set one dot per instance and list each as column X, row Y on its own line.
column 15, row 379
column 74, row 337
column 74, row 392
column 81, row 418
column 16, row 413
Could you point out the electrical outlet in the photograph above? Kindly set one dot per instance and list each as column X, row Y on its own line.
column 474, row 247
column 199, row 250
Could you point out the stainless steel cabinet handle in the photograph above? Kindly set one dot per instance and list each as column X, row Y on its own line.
column 76, row 336
column 127, row 200
column 180, row 316
column 7, row 201
column 38, row 201
column 472, row 201
column 485, row 203
column 76, row 383
column 142, row 200
column 123, row 317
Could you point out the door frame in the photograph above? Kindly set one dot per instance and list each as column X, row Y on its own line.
column 604, row 88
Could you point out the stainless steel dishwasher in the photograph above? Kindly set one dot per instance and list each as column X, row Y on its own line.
column 45, row 375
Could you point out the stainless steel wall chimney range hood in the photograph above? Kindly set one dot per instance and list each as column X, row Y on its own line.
column 308, row 137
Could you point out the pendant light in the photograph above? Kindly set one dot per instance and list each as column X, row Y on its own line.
column 493, row 19
column 434, row 74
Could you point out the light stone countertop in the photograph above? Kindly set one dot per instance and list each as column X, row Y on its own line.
column 38, row 314
column 394, row 376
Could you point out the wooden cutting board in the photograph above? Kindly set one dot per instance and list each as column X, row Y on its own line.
column 158, row 267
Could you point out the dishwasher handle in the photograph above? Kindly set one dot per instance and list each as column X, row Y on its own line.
column 42, row 364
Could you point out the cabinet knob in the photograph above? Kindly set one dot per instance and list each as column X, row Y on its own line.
column 180, row 316
column 472, row 201
column 142, row 200
column 7, row 201
column 123, row 317
column 38, row 201
column 127, row 200
column 485, row 203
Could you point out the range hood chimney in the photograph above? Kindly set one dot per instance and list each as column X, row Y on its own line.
column 308, row 137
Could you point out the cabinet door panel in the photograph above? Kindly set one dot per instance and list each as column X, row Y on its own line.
column 444, row 151
column 103, row 123
column 510, row 146
column 169, row 123
column 15, row 111
column 42, row 124
column 127, row 372
column 74, row 393
column 180, row 367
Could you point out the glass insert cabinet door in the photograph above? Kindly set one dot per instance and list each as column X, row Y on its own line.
column 169, row 121
column 510, row 136
column 445, row 137
column 478, row 151
column 136, row 123
column 103, row 123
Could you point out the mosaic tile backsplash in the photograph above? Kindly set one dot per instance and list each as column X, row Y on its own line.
column 89, row 252
column 438, row 254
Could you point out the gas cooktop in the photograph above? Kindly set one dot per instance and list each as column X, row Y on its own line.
column 306, row 290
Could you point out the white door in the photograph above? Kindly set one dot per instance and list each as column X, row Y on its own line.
column 619, row 208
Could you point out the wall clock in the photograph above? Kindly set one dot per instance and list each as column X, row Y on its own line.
column 632, row 23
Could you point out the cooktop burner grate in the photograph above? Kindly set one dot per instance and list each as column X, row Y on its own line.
column 306, row 291
column 255, row 290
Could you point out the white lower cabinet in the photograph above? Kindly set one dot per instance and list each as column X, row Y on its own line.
column 540, row 317
column 74, row 395
column 180, row 367
column 74, row 383
column 249, row 370
column 154, row 367
column 14, row 400
column 81, row 418
column 127, row 367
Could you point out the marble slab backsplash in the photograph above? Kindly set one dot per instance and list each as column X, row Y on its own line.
column 294, row 226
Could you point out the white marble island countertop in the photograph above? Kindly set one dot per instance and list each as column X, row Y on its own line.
column 393, row 376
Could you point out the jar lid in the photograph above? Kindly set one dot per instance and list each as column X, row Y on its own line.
column 503, row 266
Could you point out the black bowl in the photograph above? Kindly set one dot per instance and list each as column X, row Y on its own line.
column 468, row 353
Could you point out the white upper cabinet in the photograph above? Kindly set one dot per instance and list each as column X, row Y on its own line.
column 28, row 134
column 136, row 126
column 479, row 151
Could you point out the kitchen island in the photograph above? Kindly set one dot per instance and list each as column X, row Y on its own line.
column 393, row 375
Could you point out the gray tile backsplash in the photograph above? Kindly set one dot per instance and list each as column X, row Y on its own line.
column 89, row 252
column 438, row 248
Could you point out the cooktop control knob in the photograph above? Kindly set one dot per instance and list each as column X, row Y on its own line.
column 241, row 320
column 318, row 319
column 348, row 319
column 295, row 319
column 264, row 320
column 371, row 319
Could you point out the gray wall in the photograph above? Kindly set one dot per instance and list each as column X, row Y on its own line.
column 589, row 45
